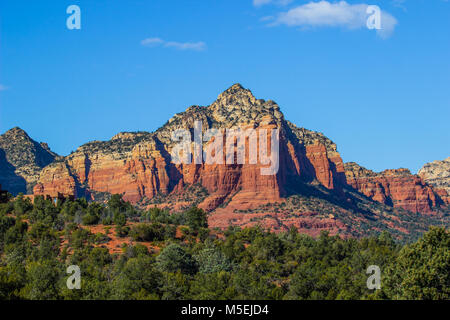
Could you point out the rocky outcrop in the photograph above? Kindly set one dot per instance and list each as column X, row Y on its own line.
column 138, row 165
column 397, row 188
column 437, row 174
column 57, row 180
column 21, row 160
column 309, row 191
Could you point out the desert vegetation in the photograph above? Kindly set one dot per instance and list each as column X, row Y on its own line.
column 126, row 253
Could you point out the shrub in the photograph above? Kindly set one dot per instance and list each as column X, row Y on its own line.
column 148, row 232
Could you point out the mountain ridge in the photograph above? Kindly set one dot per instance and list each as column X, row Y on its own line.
column 21, row 160
column 313, row 189
column 437, row 174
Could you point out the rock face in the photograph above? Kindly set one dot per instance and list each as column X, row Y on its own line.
column 397, row 188
column 437, row 174
column 21, row 160
column 138, row 165
column 309, row 191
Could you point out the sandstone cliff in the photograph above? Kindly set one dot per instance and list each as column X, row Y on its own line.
column 309, row 191
column 397, row 188
column 138, row 165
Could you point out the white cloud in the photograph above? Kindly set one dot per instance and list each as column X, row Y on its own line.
column 3, row 88
column 152, row 42
column 338, row 14
column 186, row 45
column 259, row 3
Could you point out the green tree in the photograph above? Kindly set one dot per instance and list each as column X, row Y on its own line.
column 211, row 260
column 42, row 280
column 421, row 270
column 138, row 280
column 94, row 212
column 174, row 258
column 213, row 286
column 22, row 205
column 196, row 219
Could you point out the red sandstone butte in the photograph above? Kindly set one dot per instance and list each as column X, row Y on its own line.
column 398, row 188
column 138, row 166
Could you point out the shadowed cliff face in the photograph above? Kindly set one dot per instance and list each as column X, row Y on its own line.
column 21, row 160
column 8, row 178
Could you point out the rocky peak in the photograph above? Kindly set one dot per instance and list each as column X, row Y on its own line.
column 23, row 158
column 237, row 94
column 437, row 173
column 16, row 133
column 239, row 105
column 354, row 170
column 234, row 107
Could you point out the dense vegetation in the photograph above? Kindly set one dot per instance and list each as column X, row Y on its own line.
column 176, row 256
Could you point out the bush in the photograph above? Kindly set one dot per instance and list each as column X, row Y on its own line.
column 119, row 219
column 90, row 219
column 148, row 232
column 122, row 231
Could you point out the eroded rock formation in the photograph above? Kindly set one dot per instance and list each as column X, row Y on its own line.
column 310, row 191
column 398, row 188
column 138, row 165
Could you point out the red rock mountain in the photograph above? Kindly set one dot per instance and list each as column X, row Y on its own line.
column 138, row 165
column 309, row 191
column 397, row 188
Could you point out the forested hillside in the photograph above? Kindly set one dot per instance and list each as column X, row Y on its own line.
column 124, row 253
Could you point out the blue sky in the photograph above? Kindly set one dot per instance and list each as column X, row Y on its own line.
column 384, row 98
